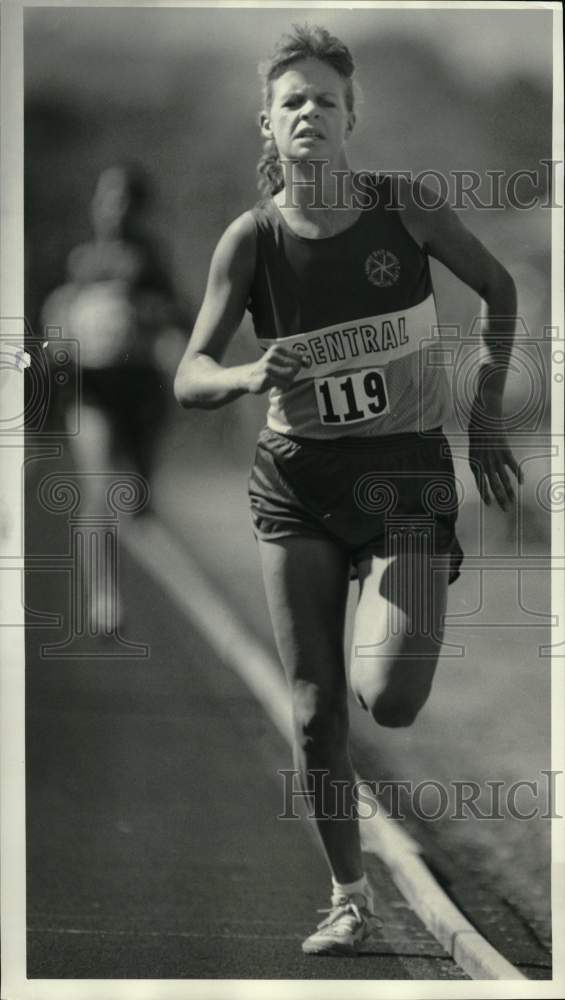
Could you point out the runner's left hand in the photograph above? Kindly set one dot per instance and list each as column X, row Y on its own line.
column 490, row 455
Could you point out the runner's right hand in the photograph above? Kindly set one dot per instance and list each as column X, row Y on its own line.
column 279, row 367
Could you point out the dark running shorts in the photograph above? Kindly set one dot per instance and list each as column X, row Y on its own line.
column 365, row 494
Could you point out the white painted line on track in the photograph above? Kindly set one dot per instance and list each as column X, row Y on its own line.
column 169, row 562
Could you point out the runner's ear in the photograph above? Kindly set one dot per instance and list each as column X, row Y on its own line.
column 265, row 125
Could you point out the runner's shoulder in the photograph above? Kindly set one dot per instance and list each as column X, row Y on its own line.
column 237, row 246
column 424, row 212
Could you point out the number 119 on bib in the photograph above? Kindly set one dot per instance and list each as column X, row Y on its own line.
column 349, row 399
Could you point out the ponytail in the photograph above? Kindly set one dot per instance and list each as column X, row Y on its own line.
column 270, row 178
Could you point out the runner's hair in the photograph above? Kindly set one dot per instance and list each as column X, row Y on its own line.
column 303, row 42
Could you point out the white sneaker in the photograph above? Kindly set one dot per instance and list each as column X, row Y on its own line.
column 348, row 924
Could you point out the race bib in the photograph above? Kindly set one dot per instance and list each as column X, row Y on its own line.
column 350, row 399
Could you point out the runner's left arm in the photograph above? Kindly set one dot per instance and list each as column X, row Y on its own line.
column 443, row 235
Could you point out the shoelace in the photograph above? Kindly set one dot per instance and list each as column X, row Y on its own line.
column 346, row 909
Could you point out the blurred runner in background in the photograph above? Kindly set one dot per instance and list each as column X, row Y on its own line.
column 120, row 306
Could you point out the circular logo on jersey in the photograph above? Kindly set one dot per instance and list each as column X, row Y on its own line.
column 382, row 268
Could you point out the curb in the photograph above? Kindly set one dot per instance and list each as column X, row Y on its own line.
column 158, row 550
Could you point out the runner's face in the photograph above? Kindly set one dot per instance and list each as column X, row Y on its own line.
column 308, row 118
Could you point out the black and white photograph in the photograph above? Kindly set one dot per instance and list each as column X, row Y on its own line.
column 281, row 504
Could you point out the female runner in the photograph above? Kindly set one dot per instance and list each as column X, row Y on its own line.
column 333, row 266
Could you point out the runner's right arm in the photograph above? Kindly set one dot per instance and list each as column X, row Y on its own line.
column 201, row 380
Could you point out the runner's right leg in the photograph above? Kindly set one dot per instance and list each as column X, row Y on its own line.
column 306, row 582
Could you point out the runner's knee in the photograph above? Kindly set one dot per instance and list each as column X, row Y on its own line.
column 394, row 711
